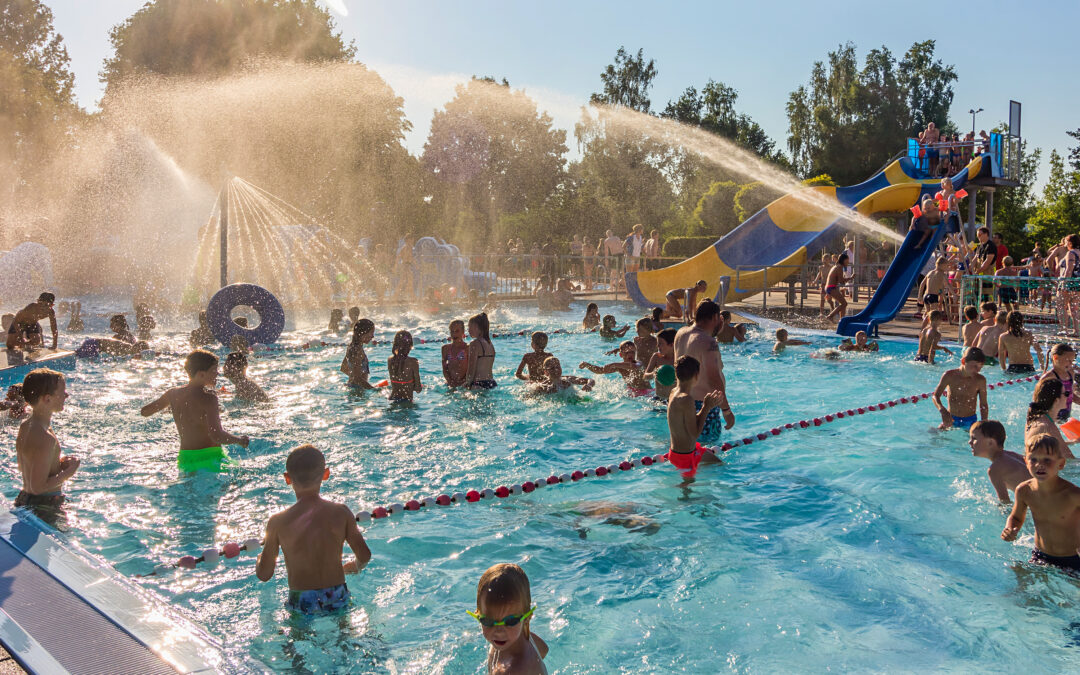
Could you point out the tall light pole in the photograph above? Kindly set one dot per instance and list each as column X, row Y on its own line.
column 974, row 112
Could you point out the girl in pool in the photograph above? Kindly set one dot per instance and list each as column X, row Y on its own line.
column 592, row 317
column 455, row 356
column 355, row 364
column 1015, row 346
column 404, row 369
column 481, row 354
column 504, row 608
column 657, row 315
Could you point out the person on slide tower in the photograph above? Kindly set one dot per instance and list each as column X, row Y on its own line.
column 675, row 296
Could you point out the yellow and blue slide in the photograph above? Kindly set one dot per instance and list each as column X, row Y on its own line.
column 771, row 244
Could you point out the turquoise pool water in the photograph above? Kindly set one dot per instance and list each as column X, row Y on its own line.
column 866, row 544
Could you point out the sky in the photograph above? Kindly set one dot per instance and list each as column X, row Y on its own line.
column 556, row 51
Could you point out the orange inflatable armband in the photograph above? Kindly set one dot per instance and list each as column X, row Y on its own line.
column 1071, row 430
column 917, row 210
column 382, row 383
column 960, row 194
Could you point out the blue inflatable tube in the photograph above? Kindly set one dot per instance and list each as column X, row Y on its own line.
column 271, row 315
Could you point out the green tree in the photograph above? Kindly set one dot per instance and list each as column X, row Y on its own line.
column 1014, row 207
column 714, row 111
column 1058, row 211
column 1074, row 153
column 928, row 85
column 715, row 212
column 627, row 82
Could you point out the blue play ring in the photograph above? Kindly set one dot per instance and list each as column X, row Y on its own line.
column 271, row 315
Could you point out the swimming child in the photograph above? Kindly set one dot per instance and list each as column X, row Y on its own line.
column 235, row 371
column 404, row 369
column 455, row 355
column 14, row 402
column 1054, row 504
column 312, row 532
column 1062, row 357
column 44, row 470
column 965, row 386
column 202, row 335
column 608, row 330
column 929, row 338
column 534, row 361
column 195, row 411
column 121, row 331
column 645, row 342
column 629, row 368
column 481, row 354
column 861, row 344
column 657, row 319
column 1007, row 469
column 987, row 339
column 685, row 423
column 336, row 316
column 555, row 382
column 355, row 364
column 592, row 317
column 782, row 341
column 144, row 321
column 663, row 356
column 971, row 329
column 1015, row 346
column 504, row 609
column 730, row 332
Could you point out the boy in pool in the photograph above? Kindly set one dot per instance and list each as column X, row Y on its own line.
column 235, row 371
column 503, row 608
column 685, row 423
column 782, row 341
column 644, row 342
column 311, row 532
column 44, row 470
column 198, row 420
column 965, row 386
column 971, row 329
column 404, row 370
column 121, row 331
column 1007, row 469
column 14, row 402
column 730, row 331
column 202, row 335
column 1054, row 503
column 144, row 321
column 664, row 356
column 355, row 364
column 929, row 338
column 534, row 361
column 629, row 368
column 455, row 355
column 861, row 344
column 608, row 330
column 555, row 382
column 989, row 313
column 987, row 339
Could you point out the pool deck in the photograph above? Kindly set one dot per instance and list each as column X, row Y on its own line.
column 14, row 365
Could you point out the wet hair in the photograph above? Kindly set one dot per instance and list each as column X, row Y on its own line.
column 1046, row 442
column 354, row 311
column 235, row 362
column 198, row 361
column 1074, row 240
column 362, row 326
column 686, row 367
column 305, row 465
column 539, row 339
column 989, row 307
column 1046, row 393
column 781, row 333
column 706, row 310
column 657, row 313
column 1001, row 317
column 1062, row 348
column 974, row 354
column 667, row 335
column 592, row 306
column 1015, row 321
column 51, row 298
column 551, row 361
column 991, row 429
column 644, row 322
column 628, row 343
column 937, row 315
column 504, row 585
column 40, row 382
column 457, row 322
column 608, row 319
column 118, row 320
column 971, row 312
column 482, row 324
column 403, row 343
column 842, row 259
column 702, row 282
column 862, row 333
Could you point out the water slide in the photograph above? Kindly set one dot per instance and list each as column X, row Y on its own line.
column 772, row 244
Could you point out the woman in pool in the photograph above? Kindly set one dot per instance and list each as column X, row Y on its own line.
column 355, row 364
column 1015, row 345
column 592, row 317
column 481, row 354
column 404, row 369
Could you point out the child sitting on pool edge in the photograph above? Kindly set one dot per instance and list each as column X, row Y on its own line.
column 312, row 532
column 504, row 608
column 685, row 424
column 1007, row 469
column 197, row 416
column 534, row 360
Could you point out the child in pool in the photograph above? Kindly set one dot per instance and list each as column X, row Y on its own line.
column 657, row 319
column 555, row 382
column 197, row 416
column 1054, row 504
column 730, row 332
column 929, row 338
column 1007, row 469
column 965, row 387
column 783, row 341
column 504, row 609
column 336, row 316
column 971, row 329
column 592, row 317
column 355, row 364
column 238, row 344
column 608, row 330
column 202, row 335
column 861, row 344
column 14, row 402
column 235, row 371
column 987, row 339
column 644, row 343
column 481, row 354
column 312, row 532
column 121, row 331
column 663, row 356
column 1061, row 359
column 455, row 355
column 354, row 316
column 685, row 423
column 75, row 323
column 144, row 321
column 492, row 305
column 404, row 369
column 629, row 368
column 534, row 361
column 44, row 470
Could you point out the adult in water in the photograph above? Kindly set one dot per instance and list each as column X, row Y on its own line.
column 25, row 331
column 676, row 296
column 699, row 341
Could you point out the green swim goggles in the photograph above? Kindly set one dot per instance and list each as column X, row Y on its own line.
column 509, row 620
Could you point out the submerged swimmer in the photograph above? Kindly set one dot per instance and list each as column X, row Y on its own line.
column 626, row 516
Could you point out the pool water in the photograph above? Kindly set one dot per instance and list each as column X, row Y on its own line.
column 866, row 544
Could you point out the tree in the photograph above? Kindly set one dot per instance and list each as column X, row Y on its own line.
column 715, row 213
column 627, row 82
column 1014, row 207
column 211, row 37
column 1074, row 153
column 927, row 84
column 1058, row 211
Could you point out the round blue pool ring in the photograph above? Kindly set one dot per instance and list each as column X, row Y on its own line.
column 271, row 315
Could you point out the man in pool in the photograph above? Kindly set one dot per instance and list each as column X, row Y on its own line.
column 964, row 386
column 699, row 341
column 25, row 332
column 676, row 296
column 312, row 532
column 686, row 422
column 198, row 421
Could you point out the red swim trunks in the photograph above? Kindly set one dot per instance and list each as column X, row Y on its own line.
column 687, row 461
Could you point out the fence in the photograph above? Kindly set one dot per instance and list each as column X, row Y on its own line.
column 1051, row 305
column 798, row 282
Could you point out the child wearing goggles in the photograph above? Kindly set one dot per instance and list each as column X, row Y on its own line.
column 503, row 608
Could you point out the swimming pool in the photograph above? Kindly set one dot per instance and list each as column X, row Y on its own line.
column 869, row 543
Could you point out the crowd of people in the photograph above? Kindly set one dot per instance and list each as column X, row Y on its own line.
column 945, row 154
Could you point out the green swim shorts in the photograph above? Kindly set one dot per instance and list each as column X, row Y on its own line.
column 214, row 458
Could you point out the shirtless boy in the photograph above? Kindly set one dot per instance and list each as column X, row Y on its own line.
column 987, row 339
column 964, row 386
column 699, row 341
column 929, row 339
column 676, row 296
column 730, row 332
column 783, row 341
column 555, row 382
column 1054, row 504
column 664, row 356
column 44, row 470
column 971, row 329
column 629, row 368
column 833, row 282
column 686, row 422
column 25, row 331
column 1007, row 469
column 195, row 411
column 534, row 361
column 934, row 287
column 311, row 532
column 862, row 344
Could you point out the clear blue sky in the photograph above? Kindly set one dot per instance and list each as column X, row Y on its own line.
column 557, row 49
